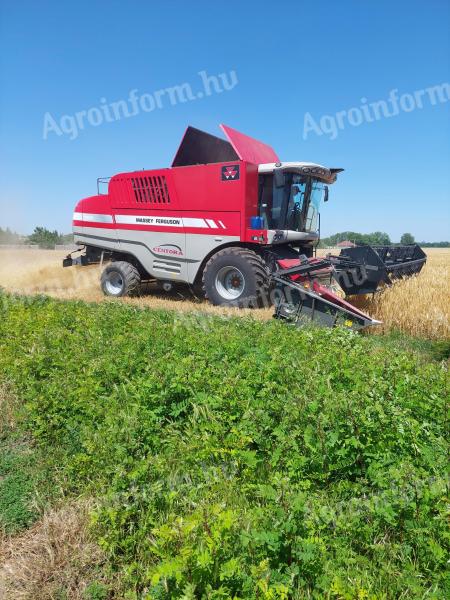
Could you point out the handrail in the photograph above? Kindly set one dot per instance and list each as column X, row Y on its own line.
column 102, row 180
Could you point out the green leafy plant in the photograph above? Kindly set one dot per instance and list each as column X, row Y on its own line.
column 238, row 459
column 16, row 489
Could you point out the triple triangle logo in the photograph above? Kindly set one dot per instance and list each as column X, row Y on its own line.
column 230, row 173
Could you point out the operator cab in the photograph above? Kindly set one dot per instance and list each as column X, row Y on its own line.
column 289, row 199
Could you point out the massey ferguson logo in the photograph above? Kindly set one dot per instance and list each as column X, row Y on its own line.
column 171, row 249
column 230, row 173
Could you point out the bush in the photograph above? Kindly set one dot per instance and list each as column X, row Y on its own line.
column 238, row 459
column 45, row 238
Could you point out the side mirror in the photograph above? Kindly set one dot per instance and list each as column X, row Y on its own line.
column 326, row 194
column 278, row 177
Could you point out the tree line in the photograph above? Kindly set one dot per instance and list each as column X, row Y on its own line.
column 41, row 236
column 379, row 238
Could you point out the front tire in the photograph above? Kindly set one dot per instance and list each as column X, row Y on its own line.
column 236, row 277
column 119, row 279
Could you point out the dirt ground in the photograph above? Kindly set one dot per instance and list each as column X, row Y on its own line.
column 418, row 305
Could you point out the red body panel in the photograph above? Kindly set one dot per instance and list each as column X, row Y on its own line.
column 249, row 149
column 287, row 263
column 317, row 287
column 95, row 207
column 197, row 194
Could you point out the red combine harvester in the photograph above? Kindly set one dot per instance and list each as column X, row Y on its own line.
column 229, row 217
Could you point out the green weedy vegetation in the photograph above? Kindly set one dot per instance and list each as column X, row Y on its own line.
column 16, row 488
column 237, row 459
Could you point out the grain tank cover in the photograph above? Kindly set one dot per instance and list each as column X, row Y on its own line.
column 200, row 148
column 249, row 149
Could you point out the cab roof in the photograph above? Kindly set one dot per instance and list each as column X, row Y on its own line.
column 325, row 174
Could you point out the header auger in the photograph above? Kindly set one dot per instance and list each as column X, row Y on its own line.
column 229, row 218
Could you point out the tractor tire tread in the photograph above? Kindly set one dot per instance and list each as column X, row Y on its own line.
column 131, row 276
column 258, row 267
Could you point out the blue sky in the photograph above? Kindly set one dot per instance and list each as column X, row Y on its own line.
column 290, row 59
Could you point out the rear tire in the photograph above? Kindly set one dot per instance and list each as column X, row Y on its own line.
column 119, row 279
column 236, row 277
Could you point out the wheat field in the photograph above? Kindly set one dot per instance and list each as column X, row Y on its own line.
column 418, row 305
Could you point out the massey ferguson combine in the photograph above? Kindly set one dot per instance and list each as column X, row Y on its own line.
column 230, row 218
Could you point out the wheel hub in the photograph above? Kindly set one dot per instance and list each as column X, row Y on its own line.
column 230, row 283
column 114, row 283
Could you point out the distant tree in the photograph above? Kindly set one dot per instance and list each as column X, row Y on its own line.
column 407, row 238
column 377, row 237
column 44, row 237
column 67, row 238
column 435, row 244
column 9, row 237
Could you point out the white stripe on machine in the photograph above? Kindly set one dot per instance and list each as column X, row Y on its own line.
column 194, row 223
column 153, row 220
column 93, row 218
column 157, row 221
column 214, row 225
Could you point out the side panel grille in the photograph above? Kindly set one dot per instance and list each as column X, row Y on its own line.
column 166, row 266
column 150, row 190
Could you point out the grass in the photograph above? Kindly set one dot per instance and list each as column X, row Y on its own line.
column 56, row 559
column 17, row 466
column 16, row 489
column 425, row 349
column 231, row 458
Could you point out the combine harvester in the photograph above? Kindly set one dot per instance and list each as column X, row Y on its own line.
column 229, row 217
